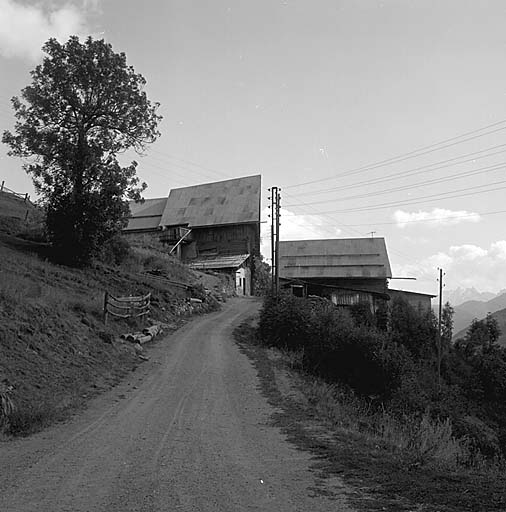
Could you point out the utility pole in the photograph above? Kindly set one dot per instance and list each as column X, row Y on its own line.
column 275, row 214
column 276, row 242
column 439, row 355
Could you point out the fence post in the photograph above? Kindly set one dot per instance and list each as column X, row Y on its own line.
column 2, row 187
column 106, row 300
column 26, row 215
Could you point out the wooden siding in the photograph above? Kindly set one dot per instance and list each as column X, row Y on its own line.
column 357, row 284
column 224, row 241
column 419, row 301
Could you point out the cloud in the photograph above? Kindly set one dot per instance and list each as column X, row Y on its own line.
column 467, row 252
column 436, row 217
column 498, row 250
column 25, row 28
column 296, row 227
column 465, row 266
column 93, row 5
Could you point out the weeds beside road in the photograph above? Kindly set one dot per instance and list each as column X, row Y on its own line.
column 342, row 435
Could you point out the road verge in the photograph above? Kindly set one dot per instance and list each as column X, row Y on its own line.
column 383, row 477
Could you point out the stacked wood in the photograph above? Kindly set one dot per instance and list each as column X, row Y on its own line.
column 146, row 335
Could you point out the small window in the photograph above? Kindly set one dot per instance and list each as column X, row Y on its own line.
column 298, row 290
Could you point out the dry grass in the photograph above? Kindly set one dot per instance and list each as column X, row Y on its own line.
column 424, row 440
column 54, row 345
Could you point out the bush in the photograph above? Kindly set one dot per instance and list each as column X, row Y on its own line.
column 287, row 322
column 362, row 358
column 413, row 328
column 33, row 234
column 334, row 346
column 116, row 251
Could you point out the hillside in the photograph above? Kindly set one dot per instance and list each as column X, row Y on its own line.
column 460, row 295
column 467, row 311
column 14, row 212
column 500, row 316
column 55, row 350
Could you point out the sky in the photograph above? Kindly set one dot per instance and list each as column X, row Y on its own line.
column 375, row 118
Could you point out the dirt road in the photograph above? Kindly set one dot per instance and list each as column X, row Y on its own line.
column 187, row 431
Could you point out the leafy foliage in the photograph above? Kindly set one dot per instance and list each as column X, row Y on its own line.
column 116, row 251
column 83, row 107
column 416, row 330
column 286, row 322
column 480, row 338
column 397, row 366
column 262, row 276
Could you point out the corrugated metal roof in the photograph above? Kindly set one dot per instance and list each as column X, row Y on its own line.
column 149, row 207
column 395, row 291
column 143, row 223
column 219, row 262
column 334, row 258
column 223, row 202
column 146, row 215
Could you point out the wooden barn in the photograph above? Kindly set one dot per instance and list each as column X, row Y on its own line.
column 419, row 301
column 346, row 270
column 213, row 226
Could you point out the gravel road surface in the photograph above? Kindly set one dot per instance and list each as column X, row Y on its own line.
column 187, row 431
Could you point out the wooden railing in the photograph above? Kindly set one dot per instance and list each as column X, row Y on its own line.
column 126, row 307
column 160, row 278
column 19, row 195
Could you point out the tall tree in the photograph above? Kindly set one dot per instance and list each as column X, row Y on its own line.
column 83, row 107
column 481, row 337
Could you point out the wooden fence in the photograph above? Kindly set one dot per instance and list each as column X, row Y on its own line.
column 18, row 195
column 161, row 279
column 126, row 307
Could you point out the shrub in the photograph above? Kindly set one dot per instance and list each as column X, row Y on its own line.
column 33, row 234
column 286, row 322
column 334, row 346
column 116, row 251
column 414, row 329
column 362, row 314
column 362, row 358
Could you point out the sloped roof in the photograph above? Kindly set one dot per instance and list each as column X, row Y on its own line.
column 146, row 215
column 334, row 258
column 219, row 262
column 148, row 208
column 408, row 293
column 234, row 201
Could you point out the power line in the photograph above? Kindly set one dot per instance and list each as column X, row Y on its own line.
column 443, row 195
column 411, row 154
column 350, row 229
column 215, row 171
column 333, row 219
column 431, row 219
column 481, row 170
column 184, row 172
column 206, row 175
column 163, row 161
column 410, row 172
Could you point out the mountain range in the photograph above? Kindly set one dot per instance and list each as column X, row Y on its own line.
column 465, row 312
column 460, row 295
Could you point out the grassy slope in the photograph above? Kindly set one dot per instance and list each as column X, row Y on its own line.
column 336, row 430
column 54, row 348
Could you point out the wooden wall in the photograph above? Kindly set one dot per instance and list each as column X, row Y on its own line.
column 378, row 285
column 223, row 241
